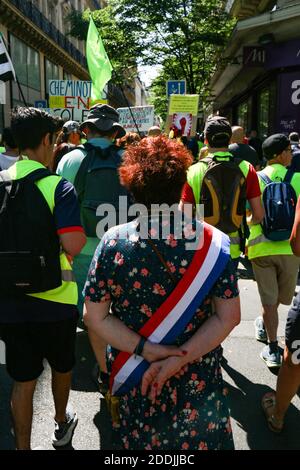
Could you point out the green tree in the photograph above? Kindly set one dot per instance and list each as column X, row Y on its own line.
column 184, row 37
column 120, row 45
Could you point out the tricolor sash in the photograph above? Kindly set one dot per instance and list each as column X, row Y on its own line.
column 171, row 318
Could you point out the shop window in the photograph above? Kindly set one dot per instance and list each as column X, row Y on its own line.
column 243, row 114
column 1, row 118
column 51, row 73
column 264, row 113
column 67, row 76
column 27, row 66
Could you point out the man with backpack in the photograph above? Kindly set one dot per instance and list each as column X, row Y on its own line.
column 274, row 265
column 93, row 169
column 223, row 184
column 40, row 230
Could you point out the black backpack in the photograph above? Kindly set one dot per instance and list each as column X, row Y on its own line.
column 223, row 194
column 29, row 244
column 97, row 182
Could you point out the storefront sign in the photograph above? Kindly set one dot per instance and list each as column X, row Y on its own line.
column 285, row 54
column 143, row 116
column 288, row 117
column 254, row 56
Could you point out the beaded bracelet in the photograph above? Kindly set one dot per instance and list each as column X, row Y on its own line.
column 140, row 346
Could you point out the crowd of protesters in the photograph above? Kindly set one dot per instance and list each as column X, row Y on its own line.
column 157, row 290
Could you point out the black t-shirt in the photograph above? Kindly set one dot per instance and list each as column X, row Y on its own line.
column 295, row 165
column 245, row 152
column 256, row 143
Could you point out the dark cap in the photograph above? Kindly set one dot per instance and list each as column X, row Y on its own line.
column 217, row 129
column 275, row 145
column 70, row 126
column 105, row 118
column 294, row 137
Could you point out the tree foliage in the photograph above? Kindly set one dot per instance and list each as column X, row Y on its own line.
column 183, row 36
column 121, row 47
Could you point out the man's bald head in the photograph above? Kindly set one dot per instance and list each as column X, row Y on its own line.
column 238, row 135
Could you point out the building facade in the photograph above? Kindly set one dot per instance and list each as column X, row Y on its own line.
column 36, row 34
column 258, row 85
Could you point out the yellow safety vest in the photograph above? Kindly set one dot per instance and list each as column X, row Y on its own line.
column 258, row 244
column 195, row 177
column 67, row 293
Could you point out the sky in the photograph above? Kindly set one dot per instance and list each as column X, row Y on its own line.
column 148, row 73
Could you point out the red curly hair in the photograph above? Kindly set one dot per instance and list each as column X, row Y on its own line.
column 154, row 170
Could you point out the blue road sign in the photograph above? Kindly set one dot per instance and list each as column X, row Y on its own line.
column 176, row 87
column 40, row 104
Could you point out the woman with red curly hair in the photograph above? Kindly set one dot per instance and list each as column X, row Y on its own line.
column 164, row 305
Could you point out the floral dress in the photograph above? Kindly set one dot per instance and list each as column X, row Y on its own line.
column 191, row 412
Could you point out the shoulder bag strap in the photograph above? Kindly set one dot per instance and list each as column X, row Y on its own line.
column 159, row 255
column 288, row 177
column 265, row 179
column 80, row 179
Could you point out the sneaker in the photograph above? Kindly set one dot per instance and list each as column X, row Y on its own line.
column 272, row 359
column 260, row 332
column 63, row 432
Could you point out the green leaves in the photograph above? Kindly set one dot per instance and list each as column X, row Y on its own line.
column 185, row 37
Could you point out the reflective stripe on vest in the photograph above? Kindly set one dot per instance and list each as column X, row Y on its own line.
column 258, row 244
column 67, row 275
column 195, row 177
column 67, row 292
column 260, row 239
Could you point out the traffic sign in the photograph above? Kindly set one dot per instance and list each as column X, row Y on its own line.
column 40, row 104
column 176, row 87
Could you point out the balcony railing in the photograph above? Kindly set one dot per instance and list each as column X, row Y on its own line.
column 38, row 18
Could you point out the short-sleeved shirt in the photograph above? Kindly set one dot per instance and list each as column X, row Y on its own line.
column 68, row 168
column 30, row 309
column 127, row 271
column 245, row 152
column 70, row 163
column 295, row 164
column 6, row 161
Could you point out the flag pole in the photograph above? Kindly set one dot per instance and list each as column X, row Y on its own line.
column 130, row 110
column 16, row 78
column 21, row 92
column 121, row 88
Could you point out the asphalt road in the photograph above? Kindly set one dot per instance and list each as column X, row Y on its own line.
column 245, row 374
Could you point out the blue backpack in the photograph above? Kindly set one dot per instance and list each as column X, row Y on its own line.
column 279, row 201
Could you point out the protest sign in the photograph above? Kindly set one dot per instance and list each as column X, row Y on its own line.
column 182, row 114
column 184, row 104
column 143, row 116
column 71, row 99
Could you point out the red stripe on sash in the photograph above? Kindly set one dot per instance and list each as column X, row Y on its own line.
column 181, row 287
column 168, row 305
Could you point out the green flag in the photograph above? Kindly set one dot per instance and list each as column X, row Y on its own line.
column 99, row 65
